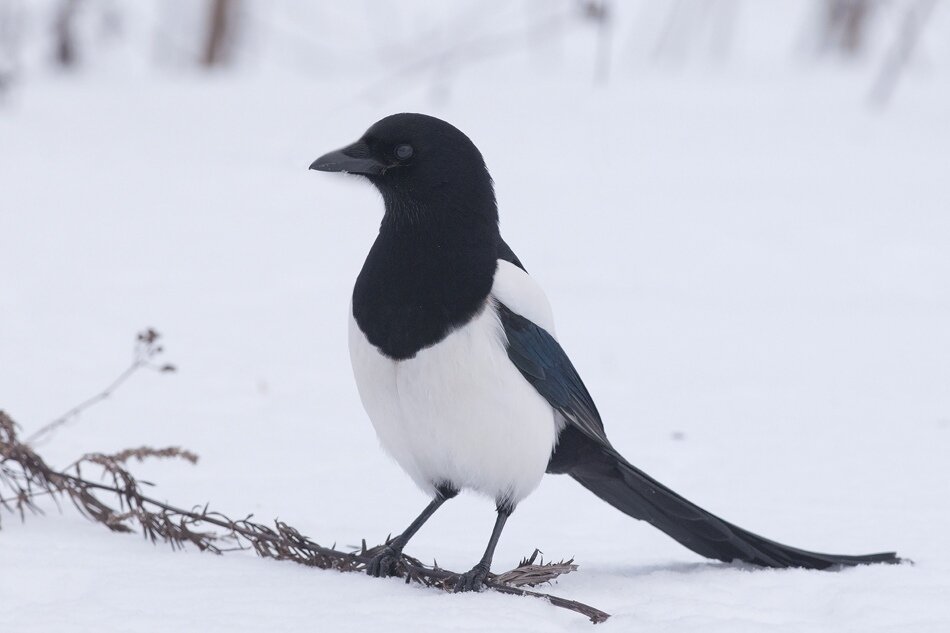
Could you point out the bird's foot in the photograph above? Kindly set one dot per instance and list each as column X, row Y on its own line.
column 473, row 580
column 384, row 563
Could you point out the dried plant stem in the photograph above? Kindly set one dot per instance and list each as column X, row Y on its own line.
column 76, row 410
column 24, row 472
column 147, row 348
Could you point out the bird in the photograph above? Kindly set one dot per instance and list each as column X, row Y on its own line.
column 458, row 366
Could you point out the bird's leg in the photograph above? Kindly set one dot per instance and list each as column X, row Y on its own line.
column 474, row 579
column 384, row 562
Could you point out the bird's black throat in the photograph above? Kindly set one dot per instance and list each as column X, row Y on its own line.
column 430, row 271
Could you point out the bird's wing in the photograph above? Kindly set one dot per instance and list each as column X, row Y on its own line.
column 528, row 323
column 545, row 365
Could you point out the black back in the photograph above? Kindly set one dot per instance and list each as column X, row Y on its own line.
column 505, row 253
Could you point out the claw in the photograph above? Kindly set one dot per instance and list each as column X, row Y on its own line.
column 383, row 564
column 473, row 580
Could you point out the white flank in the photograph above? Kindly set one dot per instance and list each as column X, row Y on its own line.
column 460, row 412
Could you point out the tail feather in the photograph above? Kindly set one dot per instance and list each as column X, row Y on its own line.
column 608, row 475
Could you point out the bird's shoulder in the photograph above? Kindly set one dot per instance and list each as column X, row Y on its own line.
column 514, row 288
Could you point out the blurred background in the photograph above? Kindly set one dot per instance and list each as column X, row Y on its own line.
column 739, row 211
column 400, row 47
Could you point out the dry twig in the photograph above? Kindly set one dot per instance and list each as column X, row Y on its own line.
column 147, row 349
column 121, row 506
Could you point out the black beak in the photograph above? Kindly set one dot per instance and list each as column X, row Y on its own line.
column 353, row 159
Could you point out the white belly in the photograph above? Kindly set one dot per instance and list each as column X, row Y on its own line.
column 459, row 412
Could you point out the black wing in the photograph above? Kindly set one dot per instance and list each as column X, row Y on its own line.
column 544, row 364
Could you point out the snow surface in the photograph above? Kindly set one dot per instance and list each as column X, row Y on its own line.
column 748, row 265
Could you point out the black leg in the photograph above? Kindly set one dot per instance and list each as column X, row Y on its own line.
column 384, row 563
column 474, row 580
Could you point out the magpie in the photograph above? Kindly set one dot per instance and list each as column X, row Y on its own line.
column 458, row 366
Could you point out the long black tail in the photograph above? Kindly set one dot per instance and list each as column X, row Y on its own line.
column 608, row 475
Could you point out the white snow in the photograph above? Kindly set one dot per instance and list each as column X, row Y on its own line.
column 749, row 266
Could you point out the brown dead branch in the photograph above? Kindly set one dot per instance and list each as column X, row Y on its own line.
column 121, row 506
column 117, row 501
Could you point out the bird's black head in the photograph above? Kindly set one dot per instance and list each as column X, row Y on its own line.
column 426, row 170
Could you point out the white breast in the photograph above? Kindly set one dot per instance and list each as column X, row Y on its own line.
column 459, row 412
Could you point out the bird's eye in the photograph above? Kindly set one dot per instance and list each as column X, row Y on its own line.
column 403, row 151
